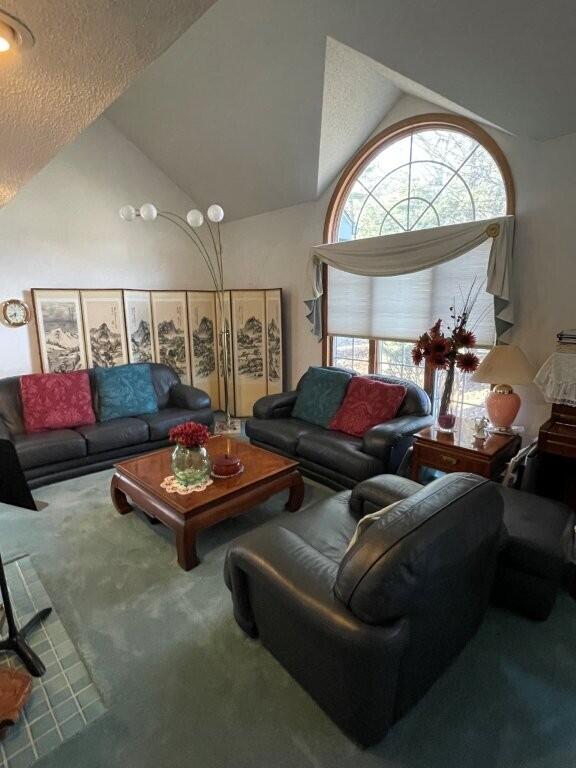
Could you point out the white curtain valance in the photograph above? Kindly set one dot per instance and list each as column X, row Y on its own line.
column 413, row 251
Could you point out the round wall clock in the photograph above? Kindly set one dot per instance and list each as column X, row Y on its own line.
column 15, row 312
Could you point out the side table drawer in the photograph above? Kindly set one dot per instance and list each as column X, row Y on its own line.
column 447, row 460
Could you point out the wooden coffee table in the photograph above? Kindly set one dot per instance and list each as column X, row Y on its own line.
column 265, row 473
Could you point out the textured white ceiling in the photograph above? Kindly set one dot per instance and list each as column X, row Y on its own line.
column 245, row 108
column 86, row 53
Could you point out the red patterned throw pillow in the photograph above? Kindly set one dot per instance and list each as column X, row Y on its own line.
column 56, row 400
column 368, row 402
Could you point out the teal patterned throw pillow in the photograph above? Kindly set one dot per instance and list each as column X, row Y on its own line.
column 320, row 395
column 125, row 390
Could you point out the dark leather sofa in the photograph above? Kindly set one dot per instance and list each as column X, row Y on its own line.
column 367, row 632
column 334, row 458
column 47, row 457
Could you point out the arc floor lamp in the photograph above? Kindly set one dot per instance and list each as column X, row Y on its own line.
column 210, row 250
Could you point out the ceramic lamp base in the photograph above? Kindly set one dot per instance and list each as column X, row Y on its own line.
column 502, row 409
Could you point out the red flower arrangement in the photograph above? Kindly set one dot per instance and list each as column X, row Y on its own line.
column 446, row 352
column 189, row 435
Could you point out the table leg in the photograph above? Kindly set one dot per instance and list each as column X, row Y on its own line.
column 415, row 465
column 119, row 499
column 186, row 546
column 296, row 492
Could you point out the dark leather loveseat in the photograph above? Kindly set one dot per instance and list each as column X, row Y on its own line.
column 334, row 458
column 366, row 632
column 47, row 457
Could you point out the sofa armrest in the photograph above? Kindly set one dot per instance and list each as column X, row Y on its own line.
column 275, row 406
column 185, row 396
column 4, row 432
column 378, row 492
column 383, row 436
column 390, row 441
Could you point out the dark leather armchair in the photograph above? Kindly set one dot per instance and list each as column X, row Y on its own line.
column 334, row 458
column 366, row 632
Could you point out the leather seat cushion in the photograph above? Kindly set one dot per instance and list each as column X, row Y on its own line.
column 116, row 433
column 328, row 526
column 340, row 452
column 539, row 533
column 161, row 423
column 283, row 434
column 39, row 448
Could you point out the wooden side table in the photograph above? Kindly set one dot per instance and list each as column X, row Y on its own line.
column 460, row 451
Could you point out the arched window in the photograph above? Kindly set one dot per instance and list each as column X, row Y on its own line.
column 428, row 171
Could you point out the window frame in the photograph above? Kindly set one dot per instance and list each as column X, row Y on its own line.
column 363, row 157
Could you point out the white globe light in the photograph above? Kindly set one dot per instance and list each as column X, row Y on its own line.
column 195, row 218
column 215, row 213
column 127, row 212
column 148, row 212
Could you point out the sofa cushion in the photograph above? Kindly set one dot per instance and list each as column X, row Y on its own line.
column 283, row 434
column 41, row 448
column 320, row 393
column 125, row 390
column 56, row 400
column 539, row 533
column 161, row 422
column 339, row 452
column 117, row 433
column 367, row 402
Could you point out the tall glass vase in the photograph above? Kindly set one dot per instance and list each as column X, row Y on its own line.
column 446, row 418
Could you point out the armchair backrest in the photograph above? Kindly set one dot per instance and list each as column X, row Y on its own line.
column 415, row 403
column 431, row 559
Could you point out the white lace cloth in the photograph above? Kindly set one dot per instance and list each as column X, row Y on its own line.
column 172, row 485
column 557, row 379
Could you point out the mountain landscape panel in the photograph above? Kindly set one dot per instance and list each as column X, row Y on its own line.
column 139, row 326
column 104, row 324
column 274, row 357
column 170, row 332
column 248, row 328
column 62, row 336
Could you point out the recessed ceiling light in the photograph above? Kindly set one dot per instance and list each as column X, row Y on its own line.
column 13, row 33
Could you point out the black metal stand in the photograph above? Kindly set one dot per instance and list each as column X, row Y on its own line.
column 16, row 640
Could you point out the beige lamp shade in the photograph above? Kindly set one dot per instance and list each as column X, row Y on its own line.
column 504, row 364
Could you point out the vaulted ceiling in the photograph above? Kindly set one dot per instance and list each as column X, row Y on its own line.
column 259, row 104
column 86, row 53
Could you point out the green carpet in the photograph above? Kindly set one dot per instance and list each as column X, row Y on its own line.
column 184, row 687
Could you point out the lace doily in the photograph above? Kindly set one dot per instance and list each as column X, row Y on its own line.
column 172, row 485
column 557, row 379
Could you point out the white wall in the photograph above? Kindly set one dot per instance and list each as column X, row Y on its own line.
column 63, row 231
column 272, row 249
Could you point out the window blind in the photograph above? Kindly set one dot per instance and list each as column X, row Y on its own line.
column 404, row 306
